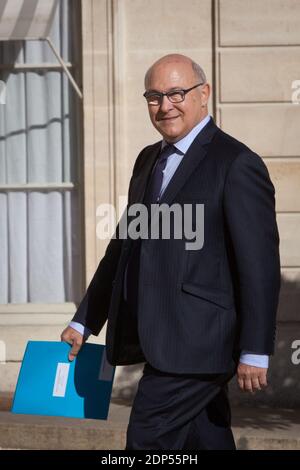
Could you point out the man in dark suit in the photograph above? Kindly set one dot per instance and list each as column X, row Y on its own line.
column 195, row 316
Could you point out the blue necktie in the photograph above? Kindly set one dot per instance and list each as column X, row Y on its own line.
column 154, row 187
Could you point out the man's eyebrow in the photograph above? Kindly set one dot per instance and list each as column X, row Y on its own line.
column 170, row 89
column 176, row 88
column 152, row 91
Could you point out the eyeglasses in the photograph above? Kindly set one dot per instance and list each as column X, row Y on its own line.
column 154, row 98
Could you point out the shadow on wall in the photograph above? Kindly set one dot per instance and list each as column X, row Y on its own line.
column 283, row 390
column 266, row 428
column 126, row 382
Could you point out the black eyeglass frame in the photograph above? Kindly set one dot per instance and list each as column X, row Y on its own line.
column 147, row 94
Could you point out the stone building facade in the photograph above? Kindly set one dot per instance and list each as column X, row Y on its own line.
column 250, row 51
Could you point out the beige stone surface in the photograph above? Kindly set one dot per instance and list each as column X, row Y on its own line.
column 49, row 432
column 289, row 299
column 259, row 22
column 8, row 319
column 271, row 130
column 258, row 74
column 8, row 376
column 98, row 170
column 285, row 175
column 289, row 230
column 256, row 427
column 36, row 314
column 258, row 58
column 88, row 190
column 145, row 17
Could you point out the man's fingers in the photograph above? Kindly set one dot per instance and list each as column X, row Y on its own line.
column 73, row 337
column 75, row 349
column 241, row 383
column 67, row 339
column 248, row 385
column 263, row 380
column 255, row 384
column 68, row 335
column 251, row 378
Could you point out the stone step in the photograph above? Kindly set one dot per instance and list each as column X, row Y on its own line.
column 260, row 428
column 48, row 432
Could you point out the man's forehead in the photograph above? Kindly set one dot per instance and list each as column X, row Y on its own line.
column 165, row 69
column 169, row 76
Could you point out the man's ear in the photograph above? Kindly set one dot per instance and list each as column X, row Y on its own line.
column 205, row 93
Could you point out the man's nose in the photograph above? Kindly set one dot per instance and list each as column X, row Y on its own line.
column 165, row 104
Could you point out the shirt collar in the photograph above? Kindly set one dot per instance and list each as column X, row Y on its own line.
column 183, row 145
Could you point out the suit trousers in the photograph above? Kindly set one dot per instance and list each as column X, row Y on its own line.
column 180, row 412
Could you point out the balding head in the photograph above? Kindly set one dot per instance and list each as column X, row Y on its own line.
column 174, row 72
column 176, row 59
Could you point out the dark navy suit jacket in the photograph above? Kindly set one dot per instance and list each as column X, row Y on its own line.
column 197, row 309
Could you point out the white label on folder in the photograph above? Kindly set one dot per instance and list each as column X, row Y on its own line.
column 61, row 379
column 106, row 369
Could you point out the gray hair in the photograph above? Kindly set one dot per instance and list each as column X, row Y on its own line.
column 199, row 72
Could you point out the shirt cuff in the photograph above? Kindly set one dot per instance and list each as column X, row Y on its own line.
column 254, row 359
column 83, row 330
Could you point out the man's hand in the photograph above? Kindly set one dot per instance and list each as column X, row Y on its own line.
column 251, row 378
column 71, row 336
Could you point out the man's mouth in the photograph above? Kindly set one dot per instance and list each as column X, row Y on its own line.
column 168, row 118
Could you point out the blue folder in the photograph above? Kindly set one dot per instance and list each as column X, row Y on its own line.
column 49, row 384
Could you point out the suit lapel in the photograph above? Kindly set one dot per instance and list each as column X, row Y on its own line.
column 139, row 183
column 190, row 161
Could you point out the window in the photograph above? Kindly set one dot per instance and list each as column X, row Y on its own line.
column 40, row 150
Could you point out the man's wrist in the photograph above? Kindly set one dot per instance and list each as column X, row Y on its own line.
column 83, row 330
column 254, row 359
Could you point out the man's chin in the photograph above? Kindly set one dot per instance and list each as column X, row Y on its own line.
column 169, row 136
